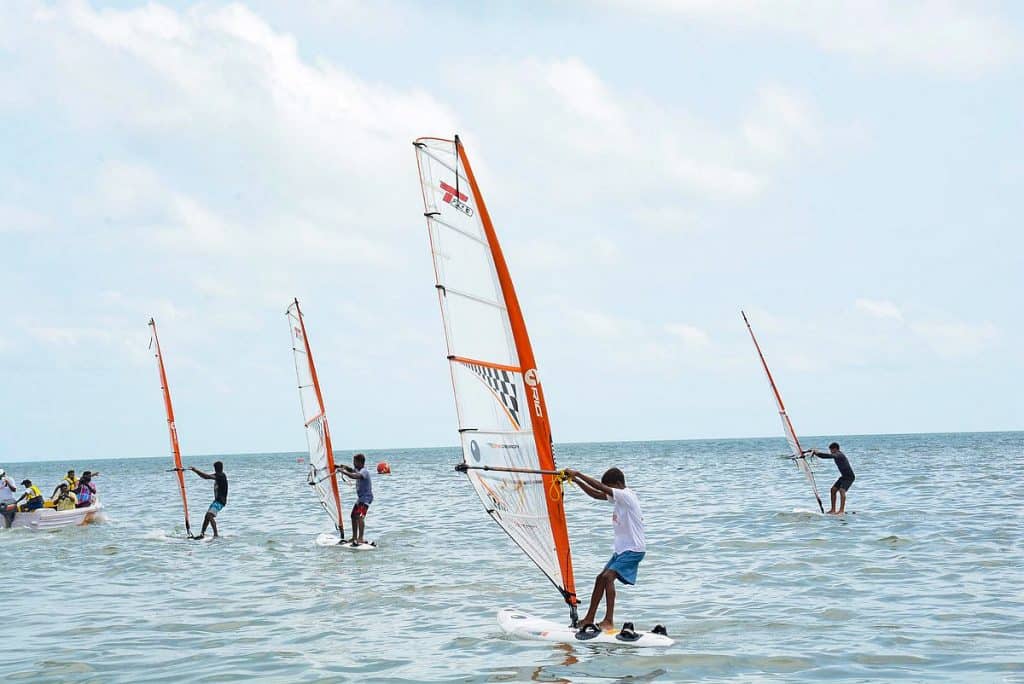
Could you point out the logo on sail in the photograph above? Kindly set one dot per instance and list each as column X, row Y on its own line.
column 457, row 199
column 531, row 380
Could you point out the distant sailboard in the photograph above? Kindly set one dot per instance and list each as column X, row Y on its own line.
column 503, row 420
column 799, row 455
column 178, row 470
column 322, row 477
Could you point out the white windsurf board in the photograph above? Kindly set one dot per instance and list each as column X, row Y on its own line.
column 330, row 539
column 526, row 626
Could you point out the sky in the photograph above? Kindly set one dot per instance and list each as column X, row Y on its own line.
column 849, row 174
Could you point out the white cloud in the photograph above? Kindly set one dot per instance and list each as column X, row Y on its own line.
column 612, row 145
column 691, row 336
column 597, row 324
column 781, row 123
column 69, row 336
column 944, row 36
column 879, row 308
column 16, row 219
column 950, row 339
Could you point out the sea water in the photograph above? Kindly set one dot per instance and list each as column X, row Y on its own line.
column 925, row 582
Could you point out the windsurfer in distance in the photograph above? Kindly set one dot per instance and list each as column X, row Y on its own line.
column 220, row 496
column 364, row 495
column 846, row 476
column 629, row 546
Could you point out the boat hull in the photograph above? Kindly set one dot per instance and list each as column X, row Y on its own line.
column 52, row 519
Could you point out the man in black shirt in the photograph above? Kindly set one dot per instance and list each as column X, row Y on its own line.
column 220, row 496
column 846, row 476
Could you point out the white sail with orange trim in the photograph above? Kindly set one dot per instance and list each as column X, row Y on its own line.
column 154, row 344
column 498, row 397
column 787, row 425
column 314, row 418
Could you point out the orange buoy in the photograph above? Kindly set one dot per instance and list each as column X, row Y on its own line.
column 383, row 468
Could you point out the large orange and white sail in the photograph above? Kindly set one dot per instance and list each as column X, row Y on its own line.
column 314, row 417
column 787, row 425
column 179, row 471
column 503, row 420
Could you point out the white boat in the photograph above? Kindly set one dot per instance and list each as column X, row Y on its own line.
column 52, row 519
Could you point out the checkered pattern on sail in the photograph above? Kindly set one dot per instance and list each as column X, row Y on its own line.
column 502, row 383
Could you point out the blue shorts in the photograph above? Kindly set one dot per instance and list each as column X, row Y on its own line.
column 625, row 565
column 215, row 508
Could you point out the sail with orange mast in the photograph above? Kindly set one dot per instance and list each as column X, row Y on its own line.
column 178, row 470
column 799, row 454
column 322, row 475
column 503, row 420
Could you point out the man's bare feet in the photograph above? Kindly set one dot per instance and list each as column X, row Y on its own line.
column 605, row 624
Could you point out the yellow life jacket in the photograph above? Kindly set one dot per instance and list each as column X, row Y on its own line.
column 72, row 482
column 66, row 503
column 33, row 492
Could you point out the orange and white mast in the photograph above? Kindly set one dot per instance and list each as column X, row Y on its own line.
column 536, row 406
column 787, row 426
column 508, row 459
column 315, row 417
column 169, row 408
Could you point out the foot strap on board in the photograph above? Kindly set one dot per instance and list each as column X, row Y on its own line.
column 588, row 631
column 659, row 629
column 627, row 633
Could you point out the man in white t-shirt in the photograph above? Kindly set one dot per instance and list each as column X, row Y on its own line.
column 7, row 489
column 628, row 548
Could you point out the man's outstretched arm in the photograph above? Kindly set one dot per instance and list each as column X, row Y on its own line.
column 200, row 473
column 591, row 487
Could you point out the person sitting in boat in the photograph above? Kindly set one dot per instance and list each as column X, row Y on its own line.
column 63, row 499
column 364, row 495
column 629, row 547
column 86, row 491
column 7, row 499
column 33, row 497
column 71, row 480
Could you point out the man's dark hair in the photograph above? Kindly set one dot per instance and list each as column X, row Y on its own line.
column 833, row 445
column 613, row 476
column 218, row 467
column 359, row 458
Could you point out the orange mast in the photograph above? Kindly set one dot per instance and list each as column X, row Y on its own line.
column 323, row 413
column 787, row 425
column 169, row 408
column 535, row 403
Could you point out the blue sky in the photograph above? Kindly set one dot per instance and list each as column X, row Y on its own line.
column 848, row 173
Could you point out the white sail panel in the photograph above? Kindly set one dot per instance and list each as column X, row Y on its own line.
column 490, row 392
column 321, row 474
